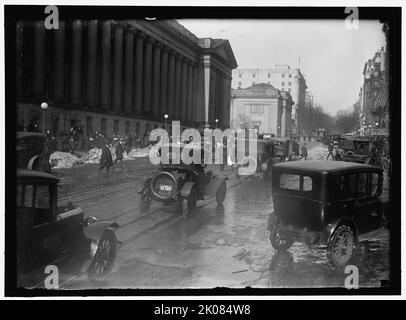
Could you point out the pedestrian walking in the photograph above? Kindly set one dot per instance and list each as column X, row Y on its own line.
column 106, row 159
column 119, row 152
column 330, row 150
column 303, row 152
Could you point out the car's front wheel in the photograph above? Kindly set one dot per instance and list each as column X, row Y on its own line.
column 103, row 260
column 341, row 246
column 189, row 204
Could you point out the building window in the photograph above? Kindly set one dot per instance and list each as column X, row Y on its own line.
column 256, row 108
column 269, row 74
column 253, row 82
column 239, row 84
column 283, row 83
column 290, row 75
column 290, row 83
column 253, row 75
column 283, row 75
column 115, row 128
column 289, row 90
column 103, row 127
column 89, row 125
column 239, row 75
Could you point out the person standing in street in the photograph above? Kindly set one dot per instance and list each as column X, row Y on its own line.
column 106, row 159
column 304, row 152
column 330, row 150
column 119, row 152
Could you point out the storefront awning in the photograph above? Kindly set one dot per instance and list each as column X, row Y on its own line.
column 382, row 98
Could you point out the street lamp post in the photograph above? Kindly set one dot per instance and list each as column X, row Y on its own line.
column 44, row 107
column 166, row 121
column 217, row 121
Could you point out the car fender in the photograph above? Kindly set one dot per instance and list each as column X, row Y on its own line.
column 187, row 188
column 212, row 186
column 95, row 230
column 332, row 226
column 31, row 162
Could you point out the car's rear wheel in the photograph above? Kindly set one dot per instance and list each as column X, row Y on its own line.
column 279, row 242
column 221, row 193
column 189, row 204
column 104, row 258
column 341, row 246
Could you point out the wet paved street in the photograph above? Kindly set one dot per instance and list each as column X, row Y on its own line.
column 217, row 246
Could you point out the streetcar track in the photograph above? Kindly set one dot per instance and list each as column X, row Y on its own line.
column 171, row 218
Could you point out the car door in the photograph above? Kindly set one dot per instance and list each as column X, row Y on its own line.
column 368, row 213
column 38, row 225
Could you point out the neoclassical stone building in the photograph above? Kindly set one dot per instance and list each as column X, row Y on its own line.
column 120, row 76
column 263, row 107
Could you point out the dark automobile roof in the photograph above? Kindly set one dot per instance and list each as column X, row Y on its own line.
column 35, row 175
column 23, row 134
column 323, row 166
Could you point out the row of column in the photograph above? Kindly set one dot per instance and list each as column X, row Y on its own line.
column 220, row 97
column 116, row 69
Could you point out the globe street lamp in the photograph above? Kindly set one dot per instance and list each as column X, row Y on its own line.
column 44, row 107
column 166, row 121
column 217, row 121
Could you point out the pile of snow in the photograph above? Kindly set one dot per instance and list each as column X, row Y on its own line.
column 68, row 160
column 137, row 153
column 64, row 160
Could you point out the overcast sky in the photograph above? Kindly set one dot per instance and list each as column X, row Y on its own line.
column 331, row 57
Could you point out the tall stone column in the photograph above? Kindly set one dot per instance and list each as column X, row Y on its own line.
column 226, row 102
column 164, row 82
column 178, row 84
column 156, row 79
column 213, row 94
column 195, row 90
column 206, row 88
column 128, row 71
column 38, row 74
column 105, row 83
column 91, row 78
column 189, row 103
column 59, row 61
column 147, row 107
column 76, row 62
column 171, row 85
column 183, row 100
column 139, row 73
column 118, row 68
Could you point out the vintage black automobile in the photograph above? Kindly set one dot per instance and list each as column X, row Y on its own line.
column 275, row 150
column 182, row 183
column 326, row 203
column 29, row 147
column 48, row 234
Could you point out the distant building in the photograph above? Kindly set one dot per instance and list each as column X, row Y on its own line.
column 117, row 76
column 374, row 94
column 280, row 77
column 262, row 107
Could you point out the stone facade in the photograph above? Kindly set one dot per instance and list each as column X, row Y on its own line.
column 281, row 77
column 120, row 76
column 263, row 107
